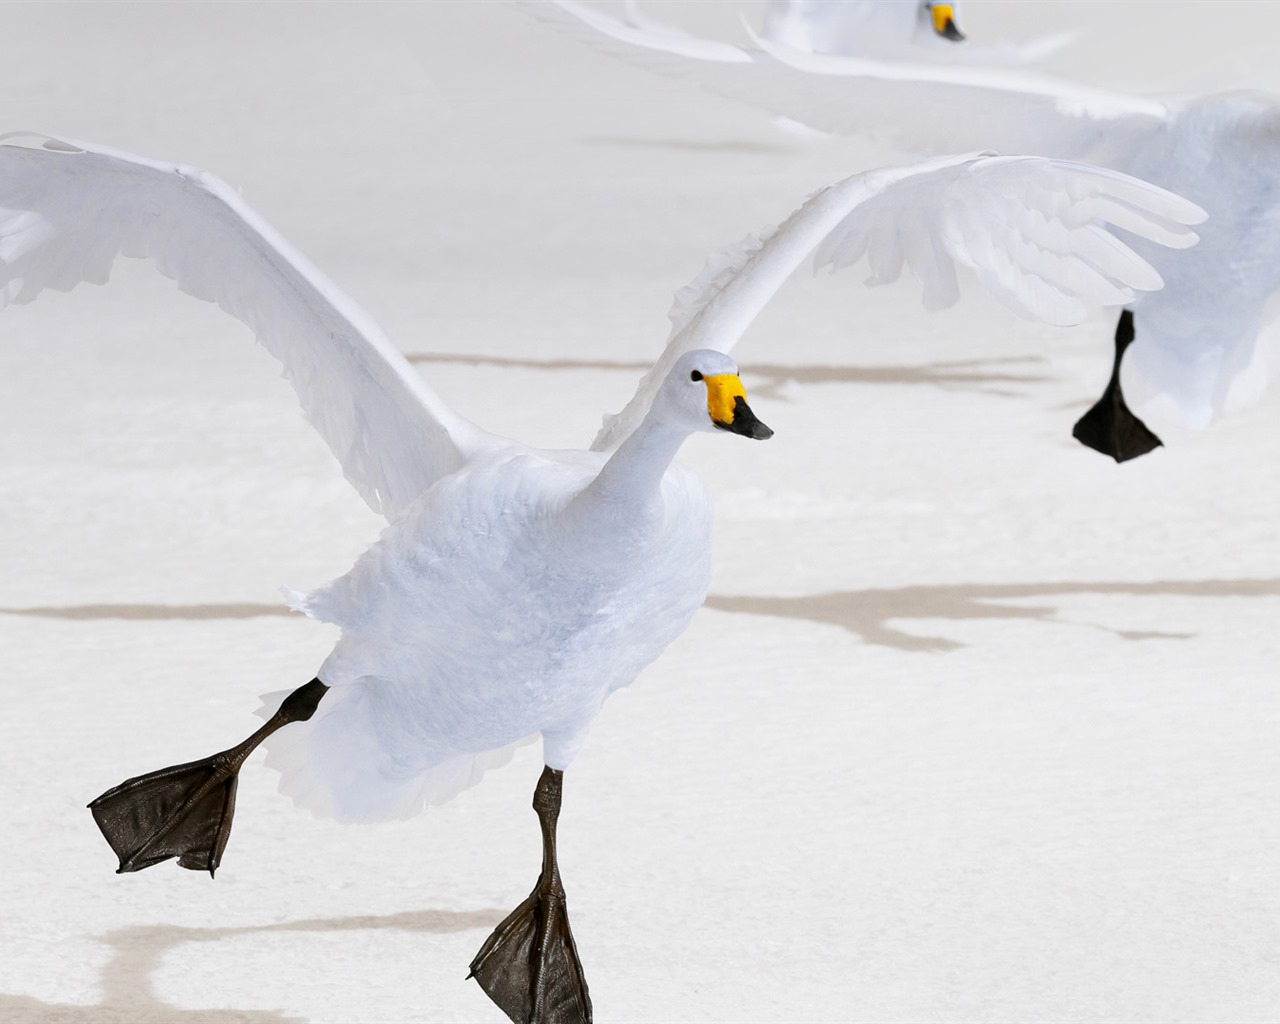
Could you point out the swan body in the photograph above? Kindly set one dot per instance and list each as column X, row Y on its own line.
column 1197, row 350
column 512, row 599
column 891, row 30
column 1199, row 356
column 515, row 588
column 861, row 27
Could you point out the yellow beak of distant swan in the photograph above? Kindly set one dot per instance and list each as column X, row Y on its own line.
column 944, row 22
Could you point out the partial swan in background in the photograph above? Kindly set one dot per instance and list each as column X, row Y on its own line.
column 881, row 29
column 865, row 28
column 1197, row 347
column 892, row 30
column 514, row 589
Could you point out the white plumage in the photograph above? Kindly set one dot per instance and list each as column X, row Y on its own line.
column 890, row 29
column 514, row 589
column 864, row 27
column 868, row 28
column 511, row 600
column 1197, row 348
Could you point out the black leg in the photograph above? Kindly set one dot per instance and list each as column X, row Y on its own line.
column 186, row 811
column 1110, row 427
column 529, row 966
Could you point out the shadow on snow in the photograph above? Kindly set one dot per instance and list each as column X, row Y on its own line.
column 868, row 613
column 137, row 951
column 980, row 375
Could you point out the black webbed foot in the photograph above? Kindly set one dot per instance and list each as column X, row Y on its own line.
column 185, row 811
column 529, row 966
column 1110, row 426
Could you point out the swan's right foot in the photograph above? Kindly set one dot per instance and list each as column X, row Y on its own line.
column 529, row 966
column 185, row 811
column 1110, row 426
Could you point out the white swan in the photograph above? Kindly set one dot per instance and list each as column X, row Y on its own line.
column 1197, row 350
column 892, row 29
column 863, row 27
column 514, row 589
column 880, row 28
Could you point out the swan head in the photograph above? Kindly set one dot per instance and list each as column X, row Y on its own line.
column 703, row 391
column 942, row 19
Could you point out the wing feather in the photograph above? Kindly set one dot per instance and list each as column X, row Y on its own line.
column 68, row 210
column 1033, row 230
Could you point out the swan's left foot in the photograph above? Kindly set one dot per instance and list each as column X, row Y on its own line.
column 185, row 811
column 1110, row 426
column 529, row 966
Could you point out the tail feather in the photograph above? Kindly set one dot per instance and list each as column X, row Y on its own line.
column 336, row 767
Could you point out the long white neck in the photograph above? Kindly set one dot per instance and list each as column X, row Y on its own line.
column 625, row 498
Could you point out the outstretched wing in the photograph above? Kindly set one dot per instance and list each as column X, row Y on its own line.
column 930, row 107
column 67, row 210
column 1033, row 229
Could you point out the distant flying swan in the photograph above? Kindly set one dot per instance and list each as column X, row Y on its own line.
column 861, row 27
column 1197, row 348
column 514, row 588
column 892, row 29
column 880, row 29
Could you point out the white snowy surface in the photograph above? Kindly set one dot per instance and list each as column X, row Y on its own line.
column 976, row 725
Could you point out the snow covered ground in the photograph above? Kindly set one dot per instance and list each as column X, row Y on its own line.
column 976, row 725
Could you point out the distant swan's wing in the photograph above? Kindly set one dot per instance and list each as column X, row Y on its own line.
column 67, row 210
column 597, row 28
column 1033, row 229
column 928, row 106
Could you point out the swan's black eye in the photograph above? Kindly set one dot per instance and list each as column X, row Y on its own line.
column 695, row 375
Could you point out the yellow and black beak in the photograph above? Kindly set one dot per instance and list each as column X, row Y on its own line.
column 727, row 404
column 944, row 22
